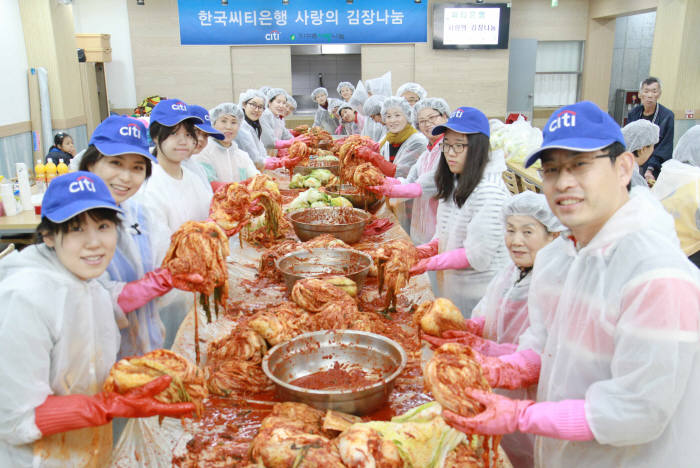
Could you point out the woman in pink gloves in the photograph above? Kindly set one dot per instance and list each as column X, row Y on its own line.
column 59, row 337
column 275, row 134
column 467, row 250
column 614, row 327
column 420, row 181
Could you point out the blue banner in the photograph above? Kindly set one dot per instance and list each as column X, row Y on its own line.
column 271, row 22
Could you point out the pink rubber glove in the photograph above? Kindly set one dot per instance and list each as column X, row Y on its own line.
column 564, row 420
column 140, row 292
column 451, row 260
column 476, row 325
column 511, row 371
column 428, row 250
column 392, row 181
column 387, row 168
column 66, row 413
column 482, row 345
column 398, row 190
column 374, row 146
column 279, row 144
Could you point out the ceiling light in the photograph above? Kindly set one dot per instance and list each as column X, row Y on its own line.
column 224, row 2
column 285, row 2
column 140, row 2
column 349, row 2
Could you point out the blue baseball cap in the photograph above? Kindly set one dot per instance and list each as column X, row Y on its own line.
column 119, row 134
column 465, row 120
column 171, row 112
column 202, row 113
column 578, row 127
column 73, row 193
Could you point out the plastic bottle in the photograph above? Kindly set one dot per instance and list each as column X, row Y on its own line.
column 51, row 171
column 62, row 168
column 40, row 171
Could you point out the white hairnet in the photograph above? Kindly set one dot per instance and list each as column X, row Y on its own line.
column 317, row 91
column 226, row 108
column 373, row 104
column 688, row 148
column 529, row 203
column 264, row 90
column 334, row 104
column 399, row 103
column 249, row 94
column 414, row 88
column 345, row 84
column 380, row 86
column 345, row 105
column 639, row 134
column 272, row 93
column 437, row 104
column 292, row 101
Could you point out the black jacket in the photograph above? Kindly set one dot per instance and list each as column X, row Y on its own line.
column 663, row 150
column 55, row 154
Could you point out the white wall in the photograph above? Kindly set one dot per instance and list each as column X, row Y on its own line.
column 14, row 92
column 110, row 17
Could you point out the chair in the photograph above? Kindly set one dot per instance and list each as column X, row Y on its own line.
column 528, row 185
column 511, row 181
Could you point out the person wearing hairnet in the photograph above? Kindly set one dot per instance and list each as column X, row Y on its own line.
column 351, row 122
column 467, row 250
column 223, row 160
column 323, row 117
column 420, row 181
column 400, row 149
column 374, row 127
column 412, row 92
column 345, row 90
column 501, row 315
column 248, row 138
column 291, row 105
column 613, row 307
column 678, row 188
column 58, row 333
column 203, row 131
column 641, row 136
column 333, row 106
column 274, row 131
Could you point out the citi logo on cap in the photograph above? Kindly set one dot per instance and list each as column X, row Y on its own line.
column 458, row 113
column 565, row 118
column 131, row 130
column 206, row 117
column 179, row 106
column 82, row 184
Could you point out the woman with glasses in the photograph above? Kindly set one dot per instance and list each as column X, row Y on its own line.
column 467, row 250
column 249, row 135
column 412, row 92
column 420, row 181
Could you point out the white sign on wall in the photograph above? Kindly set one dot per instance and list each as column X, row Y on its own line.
column 475, row 26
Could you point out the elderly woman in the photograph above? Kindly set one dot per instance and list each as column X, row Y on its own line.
column 640, row 137
column 412, row 92
column 223, row 160
column 467, row 250
column 291, row 105
column 274, row 132
column 420, row 181
column 323, row 117
column 678, row 188
column 345, row 90
column 351, row 122
column 374, row 127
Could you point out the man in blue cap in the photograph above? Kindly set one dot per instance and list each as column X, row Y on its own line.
column 614, row 337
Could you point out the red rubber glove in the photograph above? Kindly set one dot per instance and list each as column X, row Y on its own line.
column 397, row 190
column 140, row 292
column 279, row 144
column 216, row 185
column 294, row 133
column 511, row 371
column 564, row 420
column 428, row 250
column 283, row 153
column 366, row 154
column 374, row 146
column 66, row 413
column 450, row 260
column 482, row 345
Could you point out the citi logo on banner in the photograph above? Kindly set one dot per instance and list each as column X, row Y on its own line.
column 179, row 106
column 81, row 184
column 272, row 36
column 131, row 130
column 565, row 118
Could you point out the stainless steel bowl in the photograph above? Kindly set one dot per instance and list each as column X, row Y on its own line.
column 319, row 262
column 360, row 200
column 348, row 233
column 318, row 351
column 334, row 167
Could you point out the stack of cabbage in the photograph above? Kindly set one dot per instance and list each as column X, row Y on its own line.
column 316, row 179
column 314, row 198
column 517, row 139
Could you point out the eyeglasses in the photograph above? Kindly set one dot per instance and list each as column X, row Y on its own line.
column 457, row 148
column 429, row 120
column 578, row 167
column 256, row 106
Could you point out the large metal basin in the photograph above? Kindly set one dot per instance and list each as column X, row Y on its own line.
column 364, row 201
column 313, row 222
column 332, row 166
column 320, row 262
column 318, row 351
